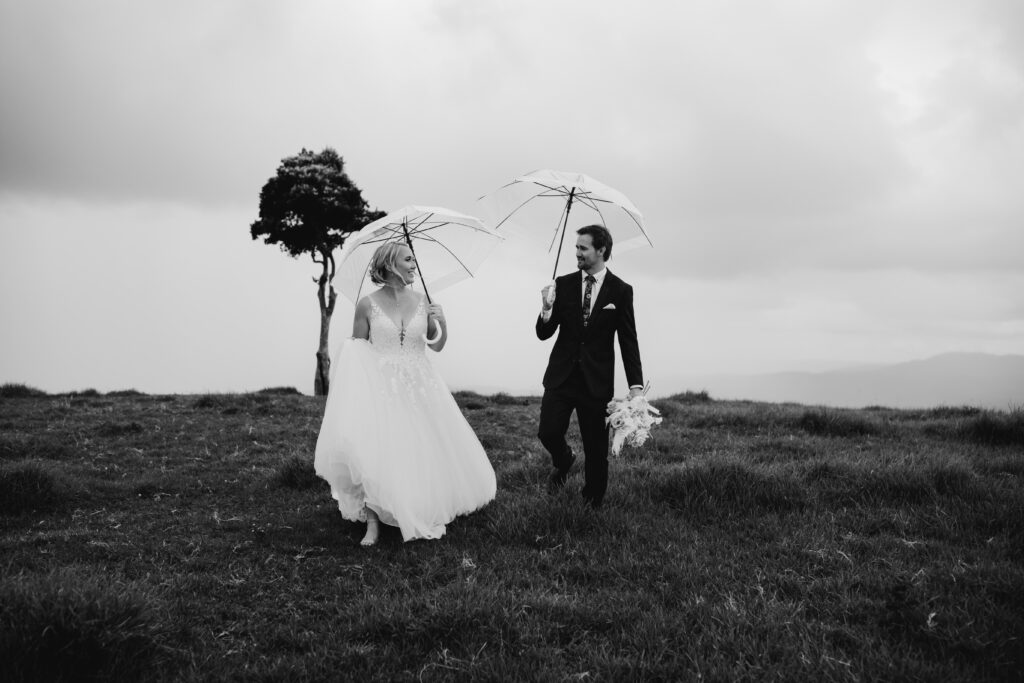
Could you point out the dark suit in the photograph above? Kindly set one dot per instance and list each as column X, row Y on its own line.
column 581, row 372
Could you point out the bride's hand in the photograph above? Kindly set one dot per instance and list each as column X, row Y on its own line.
column 436, row 312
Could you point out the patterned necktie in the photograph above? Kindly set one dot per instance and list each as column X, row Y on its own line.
column 587, row 292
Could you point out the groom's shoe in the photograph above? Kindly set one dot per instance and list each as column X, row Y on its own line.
column 556, row 480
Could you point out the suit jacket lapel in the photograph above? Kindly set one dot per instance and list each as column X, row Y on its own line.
column 604, row 295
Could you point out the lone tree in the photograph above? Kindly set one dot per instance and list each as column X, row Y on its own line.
column 310, row 207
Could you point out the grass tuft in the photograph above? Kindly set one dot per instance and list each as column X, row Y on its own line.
column 847, row 484
column 209, row 401
column 994, row 429
column 39, row 447
column 28, row 487
column 503, row 399
column 1008, row 465
column 119, row 428
column 470, row 400
column 701, row 396
column 955, row 482
column 948, row 412
column 727, row 489
column 674, row 406
column 297, row 473
column 840, row 484
column 519, row 475
column 64, row 627
column 123, row 393
column 281, row 391
column 83, row 393
column 232, row 404
column 837, row 424
column 13, row 390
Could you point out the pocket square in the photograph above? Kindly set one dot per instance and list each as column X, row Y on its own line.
column 609, row 307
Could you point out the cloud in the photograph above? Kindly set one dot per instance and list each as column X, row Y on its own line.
column 125, row 102
column 808, row 171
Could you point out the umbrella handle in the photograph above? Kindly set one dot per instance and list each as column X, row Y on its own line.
column 437, row 335
column 551, row 293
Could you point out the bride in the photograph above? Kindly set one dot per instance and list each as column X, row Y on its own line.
column 393, row 444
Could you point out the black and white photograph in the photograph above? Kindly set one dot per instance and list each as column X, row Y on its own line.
column 476, row 340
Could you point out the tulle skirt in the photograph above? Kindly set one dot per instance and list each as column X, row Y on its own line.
column 394, row 440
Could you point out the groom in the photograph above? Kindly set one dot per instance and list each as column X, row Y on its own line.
column 590, row 306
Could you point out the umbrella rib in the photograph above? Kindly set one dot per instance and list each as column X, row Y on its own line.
column 580, row 193
column 421, row 234
column 557, row 193
column 560, row 189
column 362, row 280
column 588, row 201
column 508, row 184
column 512, row 212
column 561, row 218
column 599, row 213
column 416, row 225
column 434, row 226
column 384, row 238
column 446, row 248
column 640, row 227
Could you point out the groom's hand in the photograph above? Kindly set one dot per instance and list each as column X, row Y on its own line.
column 547, row 297
column 635, row 391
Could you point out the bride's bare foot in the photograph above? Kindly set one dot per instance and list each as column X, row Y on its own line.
column 372, row 529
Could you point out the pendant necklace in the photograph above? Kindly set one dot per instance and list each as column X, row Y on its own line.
column 401, row 329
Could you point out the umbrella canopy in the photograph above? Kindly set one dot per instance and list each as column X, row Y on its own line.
column 550, row 203
column 449, row 246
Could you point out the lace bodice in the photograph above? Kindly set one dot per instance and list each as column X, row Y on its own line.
column 390, row 337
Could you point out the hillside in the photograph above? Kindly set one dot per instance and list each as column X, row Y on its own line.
column 187, row 538
column 953, row 379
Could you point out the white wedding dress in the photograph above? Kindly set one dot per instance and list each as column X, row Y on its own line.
column 393, row 438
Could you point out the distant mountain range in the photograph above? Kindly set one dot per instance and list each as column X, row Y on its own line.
column 950, row 379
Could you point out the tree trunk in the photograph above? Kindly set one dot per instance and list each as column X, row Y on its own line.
column 322, row 381
column 326, row 297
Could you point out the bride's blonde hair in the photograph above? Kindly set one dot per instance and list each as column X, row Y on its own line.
column 384, row 262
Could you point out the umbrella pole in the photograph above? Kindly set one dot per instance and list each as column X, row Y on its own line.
column 408, row 241
column 565, row 224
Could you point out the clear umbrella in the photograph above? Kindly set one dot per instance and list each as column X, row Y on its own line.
column 448, row 246
column 547, row 202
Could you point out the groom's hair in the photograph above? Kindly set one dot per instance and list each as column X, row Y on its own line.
column 600, row 237
column 383, row 262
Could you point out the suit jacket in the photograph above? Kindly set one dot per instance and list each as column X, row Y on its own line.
column 591, row 346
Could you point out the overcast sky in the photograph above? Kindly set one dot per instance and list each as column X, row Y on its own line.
column 826, row 183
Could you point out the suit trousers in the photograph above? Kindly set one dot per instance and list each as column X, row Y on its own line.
column 556, row 409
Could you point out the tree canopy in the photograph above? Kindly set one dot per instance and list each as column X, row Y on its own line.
column 310, row 205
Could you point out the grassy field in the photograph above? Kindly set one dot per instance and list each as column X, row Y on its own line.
column 187, row 538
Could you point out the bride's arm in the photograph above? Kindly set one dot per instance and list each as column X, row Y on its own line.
column 361, row 320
